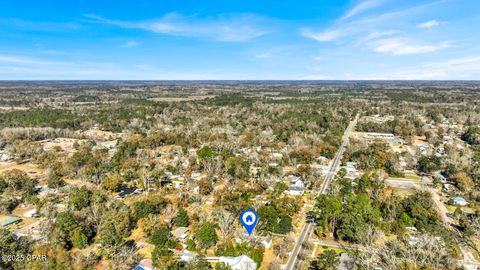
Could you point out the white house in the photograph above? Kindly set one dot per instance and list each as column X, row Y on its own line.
column 267, row 242
column 352, row 172
column 297, row 186
column 242, row 262
column 180, row 233
column 440, row 177
column 30, row 213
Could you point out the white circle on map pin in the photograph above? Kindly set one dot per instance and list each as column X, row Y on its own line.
column 246, row 219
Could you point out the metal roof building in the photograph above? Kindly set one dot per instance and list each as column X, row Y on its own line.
column 9, row 220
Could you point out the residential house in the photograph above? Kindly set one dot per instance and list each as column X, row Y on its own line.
column 242, row 262
column 145, row 264
column 180, row 233
column 352, row 172
column 438, row 175
column 267, row 242
column 297, row 186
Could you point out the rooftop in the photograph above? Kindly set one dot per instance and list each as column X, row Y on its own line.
column 180, row 232
column 9, row 220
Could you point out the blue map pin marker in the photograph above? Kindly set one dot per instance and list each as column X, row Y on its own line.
column 249, row 219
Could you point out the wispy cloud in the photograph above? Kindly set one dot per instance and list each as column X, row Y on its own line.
column 23, row 60
column 42, row 26
column 401, row 47
column 341, row 29
column 130, row 44
column 361, row 7
column 324, row 36
column 365, row 25
column 273, row 53
column 23, row 67
column 227, row 28
column 52, row 52
column 376, row 35
column 464, row 68
column 429, row 24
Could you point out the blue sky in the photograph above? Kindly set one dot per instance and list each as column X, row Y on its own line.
column 230, row 39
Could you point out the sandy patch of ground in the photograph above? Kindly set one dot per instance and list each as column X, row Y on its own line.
column 32, row 170
column 418, row 140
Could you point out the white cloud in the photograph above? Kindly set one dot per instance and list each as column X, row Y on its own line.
column 377, row 35
column 342, row 29
column 363, row 6
column 42, row 26
column 20, row 67
column 228, row 28
column 324, row 36
column 367, row 27
column 130, row 44
column 466, row 68
column 399, row 47
column 429, row 24
column 52, row 52
column 23, row 60
column 263, row 55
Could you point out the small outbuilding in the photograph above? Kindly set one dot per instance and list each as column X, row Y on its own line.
column 9, row 221
column 180, row 233
column 30, row 213
column 459, row 201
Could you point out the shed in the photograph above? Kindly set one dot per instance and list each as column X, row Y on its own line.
column 30, row 213
column 9, row 220
column 459, row 201
column 180, row 233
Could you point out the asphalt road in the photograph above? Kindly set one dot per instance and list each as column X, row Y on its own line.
column 308, row 227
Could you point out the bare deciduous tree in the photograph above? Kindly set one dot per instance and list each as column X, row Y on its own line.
column 225, row 220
